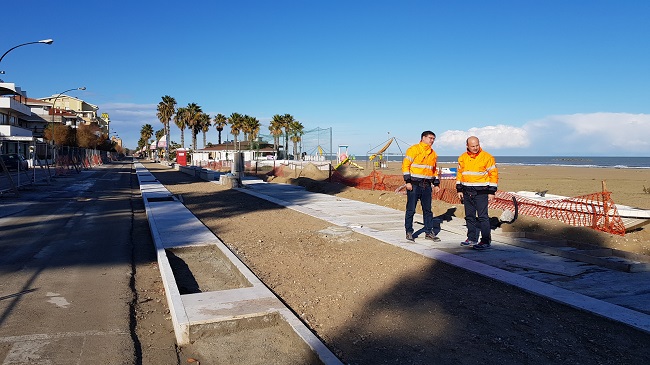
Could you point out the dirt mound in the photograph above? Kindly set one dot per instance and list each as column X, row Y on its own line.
column 313, row 172
column 349, row 171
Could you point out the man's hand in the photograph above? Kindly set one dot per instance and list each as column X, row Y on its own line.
column 436, row 189
column 490, row 197
column 409, row 187
column 460, row 196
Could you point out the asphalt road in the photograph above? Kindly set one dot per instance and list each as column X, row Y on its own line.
column 10, row 180
column 67, row 271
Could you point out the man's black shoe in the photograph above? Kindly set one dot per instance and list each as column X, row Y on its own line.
column 432, row 237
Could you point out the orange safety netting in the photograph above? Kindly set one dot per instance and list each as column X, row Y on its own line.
column 597, row 210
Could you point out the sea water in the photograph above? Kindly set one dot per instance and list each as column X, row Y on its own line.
column 612, row 162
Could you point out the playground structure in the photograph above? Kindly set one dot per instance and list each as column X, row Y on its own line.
column 343, row 157
column 378, row 157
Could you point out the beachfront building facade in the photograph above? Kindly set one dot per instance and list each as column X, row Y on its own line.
column 15, row 136
column 85, row 111
column 23, row 120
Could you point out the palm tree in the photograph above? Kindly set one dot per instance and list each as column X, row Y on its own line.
column 235, row 120
column 192, row 118
column 142, row 142
column 297, row 130
column 275, row 127
column 159, row 134
column 246, row 126
column 251, row 129
column 179, row 120
column 205, row 125
column 220, row 123
column 146, row 132
column 287, row 119
column 166, row 109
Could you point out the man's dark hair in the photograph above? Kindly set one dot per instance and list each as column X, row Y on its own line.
column 427, row 133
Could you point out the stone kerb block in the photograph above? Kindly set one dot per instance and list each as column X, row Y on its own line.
column 190, row 170
column 207, row 174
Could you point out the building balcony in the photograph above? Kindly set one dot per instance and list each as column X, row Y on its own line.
column 9, row 104
column 13, row 133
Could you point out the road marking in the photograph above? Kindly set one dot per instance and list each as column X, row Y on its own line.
column 58, row 300
column 56, row 336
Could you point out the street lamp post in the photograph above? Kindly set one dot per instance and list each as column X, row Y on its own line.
column 54, row 110
column 44, row 41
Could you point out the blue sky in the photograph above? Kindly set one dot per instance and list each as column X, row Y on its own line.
column 527, row 77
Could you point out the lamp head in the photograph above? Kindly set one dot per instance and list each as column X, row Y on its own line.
column 46, row 41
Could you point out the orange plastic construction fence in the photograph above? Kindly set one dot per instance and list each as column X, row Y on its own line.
column 63, row 166
column 596, row 210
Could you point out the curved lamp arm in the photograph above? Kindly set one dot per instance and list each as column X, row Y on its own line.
column 44, row 41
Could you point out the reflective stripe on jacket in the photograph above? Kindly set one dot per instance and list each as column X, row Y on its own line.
column 420, row 164
column 478, row 171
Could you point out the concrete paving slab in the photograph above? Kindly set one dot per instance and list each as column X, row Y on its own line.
column 632, row 301
column 544, row 266
column 228, row 304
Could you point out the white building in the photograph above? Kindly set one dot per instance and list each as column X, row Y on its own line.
column 23, row 120
column 15, row 136
column 227, row 150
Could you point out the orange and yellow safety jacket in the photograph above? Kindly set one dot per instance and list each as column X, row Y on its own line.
column 478, row 171
column 420, row 164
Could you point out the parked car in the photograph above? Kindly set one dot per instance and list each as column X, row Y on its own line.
column 14, row 161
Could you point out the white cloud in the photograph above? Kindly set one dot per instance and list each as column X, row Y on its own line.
column 604, row 134
column 125, row 110
column 491, row 137
column 127, row 119
column 593, row 134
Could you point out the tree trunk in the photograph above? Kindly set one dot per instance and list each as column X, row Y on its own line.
column 286, row 145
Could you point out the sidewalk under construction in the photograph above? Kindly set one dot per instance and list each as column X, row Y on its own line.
column 580, row 284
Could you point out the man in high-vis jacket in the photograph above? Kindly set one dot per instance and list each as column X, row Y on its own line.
column 420, row 172
column 476, row 183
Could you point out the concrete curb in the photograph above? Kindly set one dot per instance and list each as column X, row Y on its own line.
column 174, row 226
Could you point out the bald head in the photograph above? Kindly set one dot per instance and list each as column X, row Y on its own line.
column 473, row 145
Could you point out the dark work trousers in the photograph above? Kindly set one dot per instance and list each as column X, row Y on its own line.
column 476, row 215
column 421, row 192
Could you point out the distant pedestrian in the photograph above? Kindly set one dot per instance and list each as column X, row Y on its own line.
column 476, row 183
column 420, row 172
